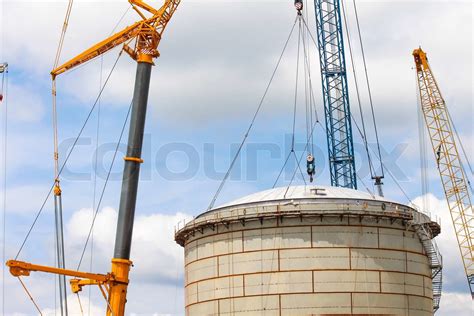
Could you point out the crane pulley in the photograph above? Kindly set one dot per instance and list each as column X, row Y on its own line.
column 3, row 71
column 448, row 161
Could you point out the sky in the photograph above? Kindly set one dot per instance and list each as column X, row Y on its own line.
column 216, row 60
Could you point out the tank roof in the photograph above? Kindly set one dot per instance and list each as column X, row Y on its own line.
column 304, row 192
column 305, row 201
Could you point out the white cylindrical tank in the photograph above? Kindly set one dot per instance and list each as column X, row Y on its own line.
column 310, row 251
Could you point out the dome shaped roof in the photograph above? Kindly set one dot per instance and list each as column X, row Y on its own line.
column 303, row 192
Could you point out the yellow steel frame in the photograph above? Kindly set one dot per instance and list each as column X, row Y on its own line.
column 106, row 282
column 449, row 163
column 147, row 34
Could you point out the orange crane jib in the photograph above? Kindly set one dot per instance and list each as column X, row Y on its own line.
column 147, row 32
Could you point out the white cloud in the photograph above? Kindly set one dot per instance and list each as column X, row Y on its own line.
column 30, row 196
column 76, row 307
column 25, row 104
column 156, row 256
column 456, row 304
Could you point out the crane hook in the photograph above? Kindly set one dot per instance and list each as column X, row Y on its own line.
column 310, row 169
column 299, row 6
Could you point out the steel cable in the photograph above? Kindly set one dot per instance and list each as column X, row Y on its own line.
column 68, row 156
column 308, row 103
column 99, row 202
column 211, row 205
column 4, row 200
column 463, row 152
column 368, row 88
column 356, row 84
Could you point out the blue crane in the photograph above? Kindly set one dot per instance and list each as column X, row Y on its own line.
column 335, row 93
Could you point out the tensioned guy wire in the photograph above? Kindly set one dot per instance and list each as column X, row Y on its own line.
column 67, row 157
column 246, row 135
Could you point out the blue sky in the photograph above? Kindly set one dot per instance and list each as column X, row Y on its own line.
column 216, row 59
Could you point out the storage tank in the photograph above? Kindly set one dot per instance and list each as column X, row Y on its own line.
column 311, row 250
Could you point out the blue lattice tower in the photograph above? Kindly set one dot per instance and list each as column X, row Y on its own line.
column 335, row 93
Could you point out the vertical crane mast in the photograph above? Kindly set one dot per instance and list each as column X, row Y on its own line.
column 448, row 160
column 335, row 93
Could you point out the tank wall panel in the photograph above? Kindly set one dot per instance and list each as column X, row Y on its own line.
column 312, row 259
column 257, row 305
column 219, row 244
column 202, row 269
column 278, row 282
column 428, row 287
column 251, row 262
column 273, row 238
column 393, row 282
column 190, row 252
column 204, row 308
column 346, row 281
column 190, row 294
column 316, row 304
column 340, row 236
column 399, row 239
column 420, row 306
column 221, row 288
column 379, row 304
column 418, row 264
column 376, row 259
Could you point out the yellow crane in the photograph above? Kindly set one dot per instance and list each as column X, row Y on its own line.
column 448, row 160
column 146, row 35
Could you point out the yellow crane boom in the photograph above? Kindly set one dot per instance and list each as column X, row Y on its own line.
column 147, row 33
column 449, row 163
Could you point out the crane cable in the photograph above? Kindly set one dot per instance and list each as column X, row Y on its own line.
column 374, row 121
column 94, row 190
column 99, row 202
column 422, row 149
column 57, row 190
column 463, row 152
column 226, row 176
column 292, row 149
column 360, row 132
column 352, row 117
column 54, row 91
column 311, row 103
column 94, row 206
column 363, row 132
column 309, row 106
column 296, row 98
column 68, row 156
column 30, row 296
column 299, row 161
column 4, row 96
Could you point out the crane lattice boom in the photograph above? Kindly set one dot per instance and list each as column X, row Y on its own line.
column 335, row 93
column 449, row 163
